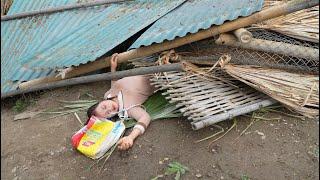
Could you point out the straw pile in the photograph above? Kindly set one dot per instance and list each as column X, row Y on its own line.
column 297, row 91
column 303, row 24
column 5, row 5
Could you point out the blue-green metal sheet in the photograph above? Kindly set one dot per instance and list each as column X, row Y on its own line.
column 195, row 15
column 34, row 47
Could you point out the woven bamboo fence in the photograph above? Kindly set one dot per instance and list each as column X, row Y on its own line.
column 206, row 97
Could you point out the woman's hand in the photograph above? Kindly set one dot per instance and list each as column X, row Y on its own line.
column 114, row 62
column 125, row 143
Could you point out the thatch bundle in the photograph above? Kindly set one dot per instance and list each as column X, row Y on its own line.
column 5, row 5
column 303, row 24
column 299, row 92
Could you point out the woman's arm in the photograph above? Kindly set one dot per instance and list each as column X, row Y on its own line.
column 143, row 121
column 113, row 65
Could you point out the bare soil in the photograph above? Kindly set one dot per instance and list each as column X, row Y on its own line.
column 40, row 149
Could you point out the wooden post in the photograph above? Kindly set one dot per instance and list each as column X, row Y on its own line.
column 275, row 11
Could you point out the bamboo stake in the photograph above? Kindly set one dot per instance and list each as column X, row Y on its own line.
column 99, row 77
column 275, row 11
column 270, row 46
column 243, row 35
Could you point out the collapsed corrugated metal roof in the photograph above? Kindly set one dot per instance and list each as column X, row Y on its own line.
column 40, row 44
column 195, row 15
column 32, row 47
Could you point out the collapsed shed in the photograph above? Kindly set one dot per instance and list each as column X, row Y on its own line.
column 95, row 33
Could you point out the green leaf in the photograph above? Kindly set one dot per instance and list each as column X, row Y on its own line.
column 21, row 105
column 171, row 170
column 178, row 175
column 176, row 168
column 244, row 177
column 179, row 166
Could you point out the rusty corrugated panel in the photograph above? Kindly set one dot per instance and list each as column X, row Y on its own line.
column 33, row 47
column 195, row 15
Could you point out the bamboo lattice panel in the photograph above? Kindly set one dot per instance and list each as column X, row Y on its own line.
column 201, row 98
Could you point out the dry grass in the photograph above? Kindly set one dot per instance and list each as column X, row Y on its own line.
column 298, row 92
column 303, row 24
column 5, row 5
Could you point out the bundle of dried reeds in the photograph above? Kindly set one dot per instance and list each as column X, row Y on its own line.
column 299, row 92
column 303, row 24
column 5, row 5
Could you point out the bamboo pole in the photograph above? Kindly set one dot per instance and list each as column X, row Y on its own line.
column 243, row 35
column 58, row 9
column 270, row 46
column 230, row 114
column 100, row 77
column 275, row 11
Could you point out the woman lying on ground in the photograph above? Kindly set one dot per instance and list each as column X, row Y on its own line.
column 135, row 91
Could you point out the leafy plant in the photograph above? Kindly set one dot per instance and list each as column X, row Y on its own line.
column 244, row 177
column 21, row 105
column 158, row 108
column 174, row 168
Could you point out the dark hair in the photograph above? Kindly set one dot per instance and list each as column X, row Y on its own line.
column 91, row 110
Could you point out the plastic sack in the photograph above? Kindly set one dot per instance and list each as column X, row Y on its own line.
column 97, row 137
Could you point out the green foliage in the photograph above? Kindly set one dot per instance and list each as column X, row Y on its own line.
column 158, row 108
column 21, row 105
column 245, row 177
column 174, row 168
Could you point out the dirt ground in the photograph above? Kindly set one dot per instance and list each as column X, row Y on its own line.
column 39, row 149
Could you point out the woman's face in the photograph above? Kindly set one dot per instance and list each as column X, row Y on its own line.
column 106, row 109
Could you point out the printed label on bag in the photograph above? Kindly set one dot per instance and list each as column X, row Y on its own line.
column 91, row 141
